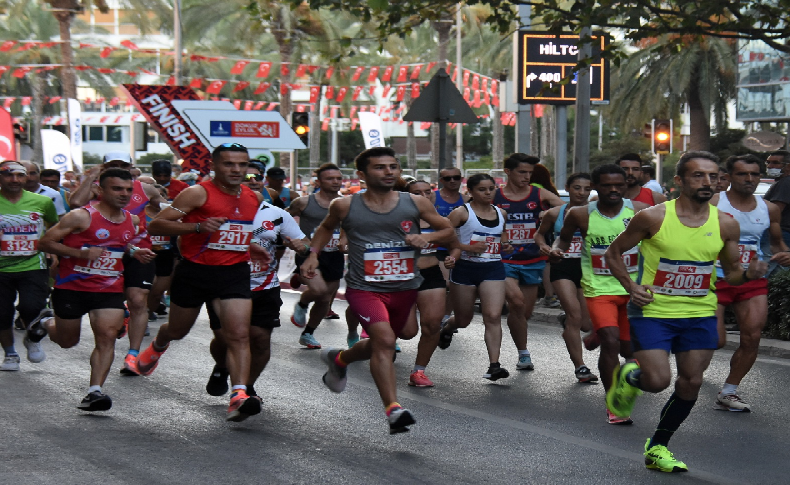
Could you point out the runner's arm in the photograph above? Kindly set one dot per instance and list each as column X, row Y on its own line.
column 639, row 228
column 658, row 198
column 338, row 210
column 550, row 197
column 297, row 206
column 293, row 237
column 74, row 221
column 167, row 223
column 443, row 230
column 546, row 225
column 734, row 273
column 155, row 198
column 86, row 191
column 779, row 249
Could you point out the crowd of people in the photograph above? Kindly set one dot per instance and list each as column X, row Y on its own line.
column 119, row 246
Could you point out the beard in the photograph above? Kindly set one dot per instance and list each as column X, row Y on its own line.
column 698, row 197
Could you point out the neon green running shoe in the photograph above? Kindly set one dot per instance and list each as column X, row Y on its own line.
column 621, row 397
column 659, row 458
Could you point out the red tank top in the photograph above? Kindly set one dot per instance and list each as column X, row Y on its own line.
column 646, row 196
column 105, row 274
column 231, row 242
column 142, row 239
column 139, row 199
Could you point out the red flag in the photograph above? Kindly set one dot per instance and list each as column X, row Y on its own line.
column 538, row 111
column 357, row 73
column 315, row 92
column 248, row 105
column 215, row 87
column 21, row 72
column 284, row 70
column 386, row 91
column 466, row 94
column 476, row 81
column 330, row 92
column 115, row 101
column 239, row 67
column 333, row 111
column 487, row 98
column 86, row 46
column 403, row 73
column 284, row 87
column 466, row 77
column 311, row 69
column 448, row 70
column 300, row 108
column 494, row 85
column 415, row 73
column 301, row 70
column 325, row 125
column 258, row 105
column 271, row 106
column 129, row 45
column 415, row 90
column 495, row 100
column 455, row 74
column 105, row 53
column 237, row 103
column 3, row 69
column 400, row 93
column 371, row 91
column 7, row 45
column 262, row 87
column 329, row 71
column 425, row 125
column 107, row 70
column 196, row 83
column 374, row 74
column 171, row 81
column 476, row 99
column 263, row 69
column 357, row 90
column 241, row 85
column 341, row 94
column 485, row 84
column 353, row 111
column 431, row 65
column 27, row 46
column 54, row 99
column 26, row 101
column 387, row 74
column 8, row 102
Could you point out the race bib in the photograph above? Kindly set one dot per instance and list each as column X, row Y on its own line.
column 493, row 246
column 110, row 263
column 389, row 264
column 259, row 269
column 575, row 249
column 19, row 244
column 159, row 243
column 599, row 267
column 333, row 244
column 520, row 232
column 682, row 278
column 231, row 236
column 746, row 251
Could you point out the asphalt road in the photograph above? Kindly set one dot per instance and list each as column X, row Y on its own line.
column 536, row 427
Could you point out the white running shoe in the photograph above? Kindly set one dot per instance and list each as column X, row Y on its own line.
column 10, row 363
column 35, row 353
column 731, row 402
column 335, row 378
column 299, row 317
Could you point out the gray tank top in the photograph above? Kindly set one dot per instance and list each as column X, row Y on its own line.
column 311, row 217
column 378, row 257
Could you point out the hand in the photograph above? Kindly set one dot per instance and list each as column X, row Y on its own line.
column 144, row 255
column 93, row 173
column 507, row 248
column 449, row 262
column 307, row 270
column 757, row 268
column 295, row 245
column 259, row 254
column 478, row 247
column 783, row 258
column 342, row 244
column 556, row 255
column 416, row 241
column 641, row 295
column 545, row 249
column 92, row 253
column 212, row 224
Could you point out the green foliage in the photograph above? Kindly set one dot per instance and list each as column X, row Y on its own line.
column 778, row 325
column 89, row 160
column 145, row 160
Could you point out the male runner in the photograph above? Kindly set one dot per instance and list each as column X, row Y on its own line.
column 214, row 221
column 33, row 184
column 91, row 243
column 524, row 267
column 600, row 222
column 321, row 289
column 51, row 178
column 275, row 178
column 162, row 171
column 632, row 164
column 23, row 268
column 383, row 228
column 750, row 300
column 672, row 307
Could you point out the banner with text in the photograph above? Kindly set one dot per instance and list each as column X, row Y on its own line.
column 57, row 151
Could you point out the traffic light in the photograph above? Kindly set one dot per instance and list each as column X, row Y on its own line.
column 300, row 122
column 662, row 136
column 22, row 132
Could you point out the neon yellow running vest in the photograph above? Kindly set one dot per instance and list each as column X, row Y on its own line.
column 597, row 279
column 679, row 262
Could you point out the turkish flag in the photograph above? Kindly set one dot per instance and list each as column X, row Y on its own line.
column 26, row 101
column 374, row 74
column 129, row 45
column 301, row 70
column 357, row 90
column 284, row 70
column 262, row 87
column 7, row 144
column 171, row 81
column 341, row 94
column 431, row 65
column 476, row 81
column 425, row 125
column 485, row 84
column 403, row 73
column 196, row 83
column 415, row 90
column 7, row 45
column 271, row 106
column 354, row 124
column 241, row 85
column 325, row 125
column 353, row 111
column 237, row 103
column 494, row 89
column 358, row 73
column 215, row 87
column 21, row 72
column 115, row 101
column 105, row 53
column 466, row 94
column 248, row 105
column 466, row 77
column 315, row 92
column 329, row 71
column 54, row 99
column 263, row 69
column 239, row 67
column 487, row 98
column 386, row 91
column 8, row 102
column 387, row 74
column 258, row 105
column 476, row 99
column 330, row 92
column 400, row 94
column 364, row 109
column 415, row 73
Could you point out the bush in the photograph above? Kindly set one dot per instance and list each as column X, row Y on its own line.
column 778, row 325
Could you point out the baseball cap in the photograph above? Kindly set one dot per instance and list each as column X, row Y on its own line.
column 117, row 157
column 161, row 166
column 276, row 173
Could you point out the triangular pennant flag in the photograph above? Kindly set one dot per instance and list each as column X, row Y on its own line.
column 239, row 67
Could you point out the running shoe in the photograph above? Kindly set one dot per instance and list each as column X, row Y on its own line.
column 445, row 339
column 166, row 300
column 658, row 457
column 352, row 339
column 295, row 282
column 494, row 374
column 561, row 319
column 621, row 397
column 399, row 419
column 299, row 317
column 584, row 374
column 35, row 329
column 242, row 406
column 309, row 341
column 35, row 353
column 251, row 392
column 332, row 316
column 335, row 377
column 129, row 368
column 19, row 324
column 397, row 347
column 612, row 419
column 419, row 379
column 95, row 401
column 10, row 363
column 161, row 309
column 217, row 384
column 149, row 359
column 551, row 302
column 591, row 341
column 525, row 362
column 731, row 402
column 152, row 316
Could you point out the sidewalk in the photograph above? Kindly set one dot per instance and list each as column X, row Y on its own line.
column 768, row 347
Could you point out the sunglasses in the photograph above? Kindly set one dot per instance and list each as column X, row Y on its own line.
column 232, row 145
column 452, row 177
column 252, row 176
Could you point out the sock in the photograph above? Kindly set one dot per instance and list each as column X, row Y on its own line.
column 729, row 389
column 418, row 367
column 10, row 350
column 133, row 352
column 94, row 388
column 339, row 360
column 392, row 407
column 675, row 411
column 303, row 305
column 523, row 352
column 239, row 387
column 634, row 377
column 308, row 331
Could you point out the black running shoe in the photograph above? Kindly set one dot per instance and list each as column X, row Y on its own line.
column 445, row 339
column 152, row 316
column 399, row 419
column 217, row 384
column 161, row 309
column 35, row 329
column 496, row 373
column 95, row 401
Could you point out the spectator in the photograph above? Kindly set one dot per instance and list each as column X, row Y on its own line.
column 778, row 165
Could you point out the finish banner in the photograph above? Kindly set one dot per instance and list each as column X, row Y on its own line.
column 155, row 104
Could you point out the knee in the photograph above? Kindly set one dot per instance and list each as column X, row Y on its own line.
column 609, row 341
column 137, row 301
column 68, row 341
column 430, row 329
column 655, row 382
column 689, row 384
column 491, row 316
column 750, row 340
column 383, row 343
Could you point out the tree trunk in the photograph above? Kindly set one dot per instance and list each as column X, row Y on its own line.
column 698, row 116
column 68, row 76
column 37, row 88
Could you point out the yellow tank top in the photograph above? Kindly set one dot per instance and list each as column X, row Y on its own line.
column 679, row 263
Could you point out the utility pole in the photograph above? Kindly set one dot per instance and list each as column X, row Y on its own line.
column 459, row 130
column 177, row 40
column 581, row 136
column 523, row 117
column 561, row 143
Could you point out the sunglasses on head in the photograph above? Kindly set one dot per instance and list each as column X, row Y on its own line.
column 232, row 145
column 452, row 177
column 253, row 176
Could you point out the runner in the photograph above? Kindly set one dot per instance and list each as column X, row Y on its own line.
column 24, row 217
column 672, row 307
column 599, row 223
column 632, row 164
column 275, row 178
column 162, row 171
column 477, row 269
column 524, row 268
column 750, row 300
column 270, row 224
column 214, row 221
column 321, row 288
column 382, row 227
column 91, row 243
column 33, row 184
column 566, row 274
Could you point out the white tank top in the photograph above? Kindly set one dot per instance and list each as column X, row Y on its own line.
column 753, row 225
column 473, row 231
